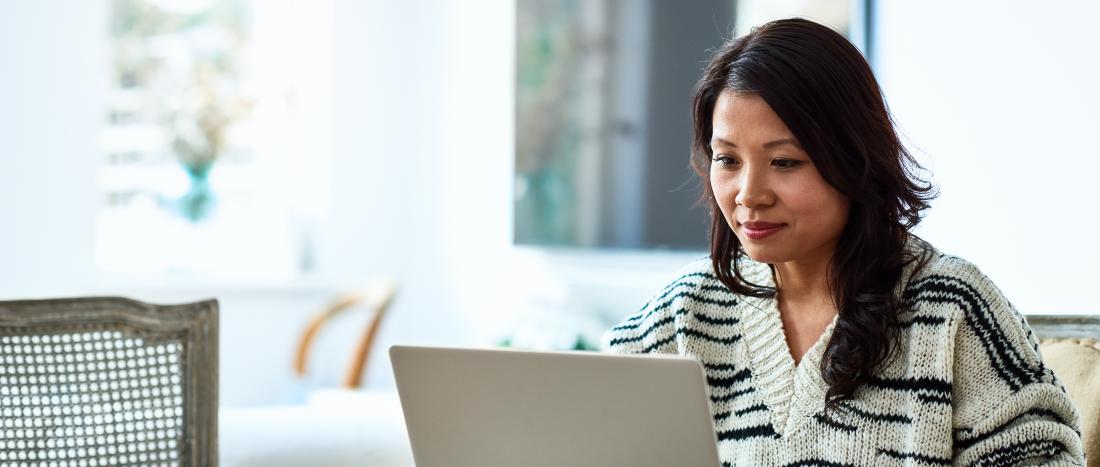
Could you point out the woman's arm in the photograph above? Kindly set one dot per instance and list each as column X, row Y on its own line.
column 653, row 328
column 1009, row 408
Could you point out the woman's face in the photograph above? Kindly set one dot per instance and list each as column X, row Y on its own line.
column 769, row 191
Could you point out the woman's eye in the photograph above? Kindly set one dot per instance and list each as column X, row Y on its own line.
column 725, row 160
column 786, row 163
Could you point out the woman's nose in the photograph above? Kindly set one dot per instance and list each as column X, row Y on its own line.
column 754, row 191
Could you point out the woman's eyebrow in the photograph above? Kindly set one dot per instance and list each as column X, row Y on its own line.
column 769, row 144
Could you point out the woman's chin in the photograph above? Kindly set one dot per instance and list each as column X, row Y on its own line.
column 762, row 254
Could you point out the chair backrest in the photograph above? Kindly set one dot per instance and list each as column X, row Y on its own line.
column 1070, row 346
column 108, row 381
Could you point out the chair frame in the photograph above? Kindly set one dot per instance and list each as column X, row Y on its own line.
column 1065, row 326
column 377, row 296
column 197, row 325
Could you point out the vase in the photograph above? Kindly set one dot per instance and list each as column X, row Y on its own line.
column 198, row 203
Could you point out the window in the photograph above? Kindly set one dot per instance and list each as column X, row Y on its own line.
column 603, row 114
column 217, row 138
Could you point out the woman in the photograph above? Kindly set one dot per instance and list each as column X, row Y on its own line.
column 830, row 335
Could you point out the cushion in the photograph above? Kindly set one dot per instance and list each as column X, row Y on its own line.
column 334, row 428
column 1076, row 362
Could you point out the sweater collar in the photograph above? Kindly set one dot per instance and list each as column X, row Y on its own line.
column 793, row 393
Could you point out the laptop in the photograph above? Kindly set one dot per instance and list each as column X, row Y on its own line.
column 513, row 408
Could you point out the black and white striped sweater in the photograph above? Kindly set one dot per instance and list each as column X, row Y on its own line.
column 968, row 386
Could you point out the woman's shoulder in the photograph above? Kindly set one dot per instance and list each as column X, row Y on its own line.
column 965, row 334
column 693, row 283
column 703, row 269
column 653, row 327
column 698, row 278
column 957, row 286
column 699, row 270
column 937, row 269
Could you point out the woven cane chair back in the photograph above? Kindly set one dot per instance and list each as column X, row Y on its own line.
column 108, row 381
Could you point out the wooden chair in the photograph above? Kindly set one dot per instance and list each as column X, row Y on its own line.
column 1070, row 346
column 376, row 297
column 108, row 381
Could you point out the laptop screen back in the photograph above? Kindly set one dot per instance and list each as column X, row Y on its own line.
column 486, row 408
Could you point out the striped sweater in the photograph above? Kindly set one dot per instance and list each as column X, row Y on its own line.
column 968, row 386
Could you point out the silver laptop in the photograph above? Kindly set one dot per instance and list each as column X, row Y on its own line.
column 513, row 408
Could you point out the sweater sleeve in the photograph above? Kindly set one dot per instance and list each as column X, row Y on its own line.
column 653, row 328
column 1009, row 408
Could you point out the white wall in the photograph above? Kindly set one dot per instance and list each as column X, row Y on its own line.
column 392, row 147
column 1000, row 98
column 52, row 93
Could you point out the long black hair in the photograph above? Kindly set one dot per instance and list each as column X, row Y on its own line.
column 819, row 84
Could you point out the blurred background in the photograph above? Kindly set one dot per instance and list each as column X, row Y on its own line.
column 517, row 168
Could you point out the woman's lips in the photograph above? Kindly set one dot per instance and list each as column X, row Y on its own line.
column 761, row 230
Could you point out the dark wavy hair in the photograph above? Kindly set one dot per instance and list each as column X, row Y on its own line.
column 819, row 84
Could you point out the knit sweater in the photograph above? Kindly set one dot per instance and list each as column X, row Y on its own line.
column 967, row 387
